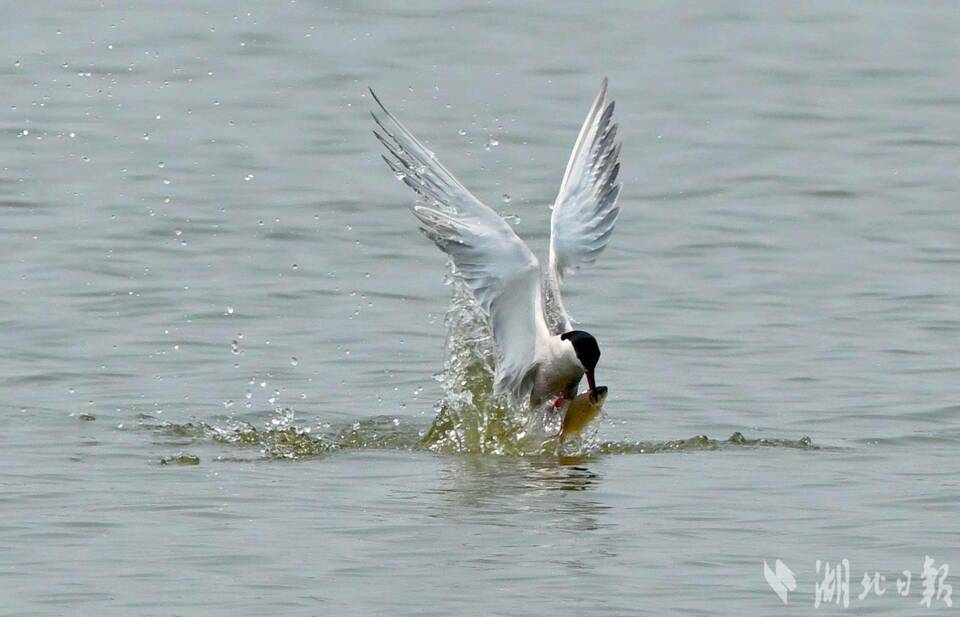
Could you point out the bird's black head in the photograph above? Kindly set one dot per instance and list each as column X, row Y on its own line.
column 587, row 350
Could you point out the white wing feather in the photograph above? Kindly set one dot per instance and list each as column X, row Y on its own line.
column 586, row 210
column 496, row 264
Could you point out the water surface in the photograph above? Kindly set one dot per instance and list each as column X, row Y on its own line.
column 197, row 231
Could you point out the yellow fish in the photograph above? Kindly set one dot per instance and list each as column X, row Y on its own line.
column 581, row 411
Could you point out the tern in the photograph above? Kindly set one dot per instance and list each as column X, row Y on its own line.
column 540, row 356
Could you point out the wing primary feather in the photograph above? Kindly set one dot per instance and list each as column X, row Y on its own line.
column 496, row 265
column 587, row 124
column 585, row 210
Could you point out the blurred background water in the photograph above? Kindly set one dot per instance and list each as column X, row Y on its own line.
column 196, row 228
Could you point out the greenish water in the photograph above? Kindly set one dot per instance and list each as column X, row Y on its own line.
column 226, row 385
column 286, row 440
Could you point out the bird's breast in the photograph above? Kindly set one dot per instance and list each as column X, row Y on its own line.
column 558, row 376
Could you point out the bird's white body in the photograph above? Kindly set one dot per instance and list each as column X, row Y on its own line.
column 536, row 359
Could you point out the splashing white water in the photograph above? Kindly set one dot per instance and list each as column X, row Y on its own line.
column 471, row 418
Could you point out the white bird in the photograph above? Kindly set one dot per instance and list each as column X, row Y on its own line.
column 539, row 355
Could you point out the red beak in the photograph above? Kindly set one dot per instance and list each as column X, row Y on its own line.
column 590, row 382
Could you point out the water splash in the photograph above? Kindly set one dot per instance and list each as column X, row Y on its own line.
column 180, row 459
column 283, row 439
column 702, row 442
column 471, row 418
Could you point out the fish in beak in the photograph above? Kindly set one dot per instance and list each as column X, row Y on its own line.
column 581, row 411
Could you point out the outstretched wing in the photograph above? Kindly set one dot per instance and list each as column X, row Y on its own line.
column 496, row 264
column 586, row 208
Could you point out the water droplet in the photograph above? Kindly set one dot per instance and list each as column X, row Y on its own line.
column 161, row 164
column 295, row 267
column 294, row 361
column 230, row 312
column 178, row 232
column 248, row 177
column 235, row 348
column 506, row 198
column 492, row 143
column 462, row 132
column 146, row 137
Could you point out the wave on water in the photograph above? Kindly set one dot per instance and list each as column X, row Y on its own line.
column 470, row 418
column 281, row 438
